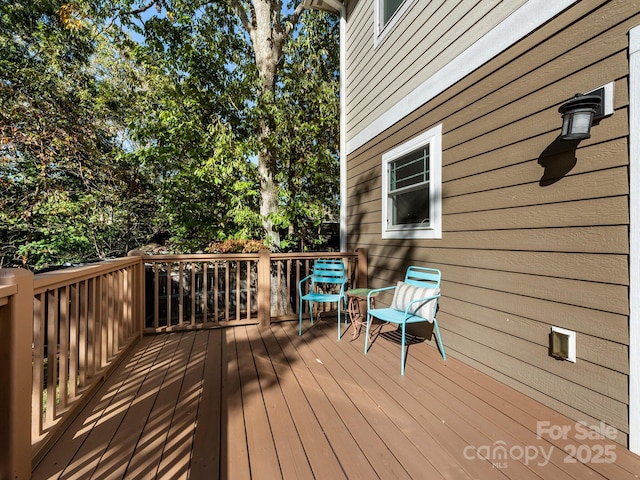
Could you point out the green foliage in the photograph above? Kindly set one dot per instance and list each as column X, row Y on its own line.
column 66, row 193
column 108, row 143
column 207, row 116
column 308, row 117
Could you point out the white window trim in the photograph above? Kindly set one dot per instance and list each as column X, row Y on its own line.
column 381, row 31
column 434, row 230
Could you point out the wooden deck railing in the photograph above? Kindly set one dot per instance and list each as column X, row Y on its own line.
column 191, row 291
column 62, row 332
column 83, row 318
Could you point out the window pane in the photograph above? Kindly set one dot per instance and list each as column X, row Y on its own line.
column 412, row 169
column 389, row 7
column 410, row 208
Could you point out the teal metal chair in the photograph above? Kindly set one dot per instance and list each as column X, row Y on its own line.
column 414, row 300
column 327, row 285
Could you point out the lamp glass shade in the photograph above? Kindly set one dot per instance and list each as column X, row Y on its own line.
column 577, row 116
column 576, row 125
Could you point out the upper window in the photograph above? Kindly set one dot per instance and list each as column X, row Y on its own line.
column 387, row 13
column 411, row 176
column 388, row 8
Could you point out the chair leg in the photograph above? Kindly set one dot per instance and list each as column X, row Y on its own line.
column 440, row 344
column 300, row 321
column 344, row 309
column 402, row 354
column 310, row 314
column 339, row 322
column 366, row 339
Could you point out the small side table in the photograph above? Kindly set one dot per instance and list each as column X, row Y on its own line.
column 357, row 315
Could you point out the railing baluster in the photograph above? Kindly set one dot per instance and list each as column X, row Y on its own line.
column 63, row 355
column 156, row 296
column 180, row 293
column 122, row 310
column 91, row 330
column 300, row 274
column 192, row 292
column 238, row 289
column 73, row 340
column 38, row 364
column 278, row 287
column 110, row 324
column 168, row 286
column 104, row 320
column 83, row 320
column 205, row 292
column 216, row 292
column 51, row 370
column 248, row 283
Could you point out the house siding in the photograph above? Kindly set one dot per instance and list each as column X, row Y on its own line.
column 426, row 38
column 529, row 239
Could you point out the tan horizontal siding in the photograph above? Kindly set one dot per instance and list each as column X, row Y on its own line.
column 535, row 232
column 426, row 38
column 428, row 25
column 595, row 350
column 578, row 400
column 491, row 170
column 592, row 376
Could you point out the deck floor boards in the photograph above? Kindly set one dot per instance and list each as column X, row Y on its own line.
column 250, row 402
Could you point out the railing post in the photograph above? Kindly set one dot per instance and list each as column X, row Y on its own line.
column 363, row 273
column 264, row 288
column 139, row 293
column 16, row 320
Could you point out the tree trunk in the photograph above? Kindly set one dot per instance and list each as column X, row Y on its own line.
column 268, row 197
column 268, row 35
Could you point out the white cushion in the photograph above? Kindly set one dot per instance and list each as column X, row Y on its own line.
column 405, row 294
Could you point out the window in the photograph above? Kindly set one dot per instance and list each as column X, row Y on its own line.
column 387, row 13
column 388, row 8
column 411, row 194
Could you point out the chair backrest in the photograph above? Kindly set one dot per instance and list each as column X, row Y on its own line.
column 423, row 277
column 328, row 271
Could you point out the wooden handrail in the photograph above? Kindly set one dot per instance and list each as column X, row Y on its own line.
column 59, row 278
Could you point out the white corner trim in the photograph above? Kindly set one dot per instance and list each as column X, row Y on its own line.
column 634, row 240
column 343, row 133
column 515, row 27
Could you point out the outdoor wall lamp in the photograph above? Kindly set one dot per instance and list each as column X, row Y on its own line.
column 578, row 115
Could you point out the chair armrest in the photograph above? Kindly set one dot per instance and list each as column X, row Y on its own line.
column 375, row 292
column 425, row 299
column 301, row 282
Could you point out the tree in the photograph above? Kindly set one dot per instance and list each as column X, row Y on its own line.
column 274, row 83
column 66, row 194
column 198, row 130
column 271, row 32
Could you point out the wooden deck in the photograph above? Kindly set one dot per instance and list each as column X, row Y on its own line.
column 284, row 406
